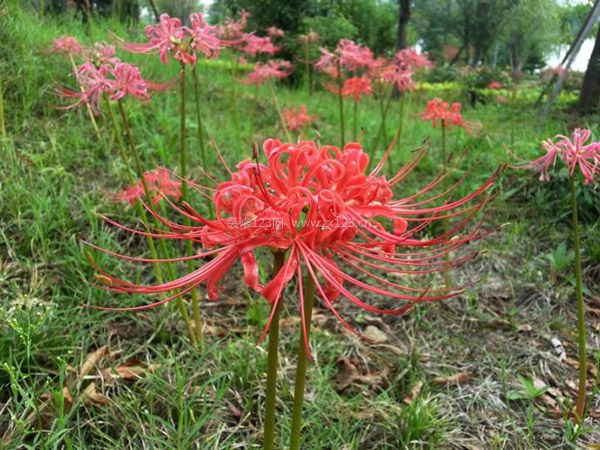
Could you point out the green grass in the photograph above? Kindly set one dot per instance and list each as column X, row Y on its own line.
column 54, row 172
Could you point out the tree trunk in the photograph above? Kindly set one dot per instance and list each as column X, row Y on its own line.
column 589, row 97
column 403, row 18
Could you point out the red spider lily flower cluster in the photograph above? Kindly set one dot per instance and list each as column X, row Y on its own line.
column 357, row 87
column 159, row 182
column 169, row 37
column 116, row 79
column 389, row 73
column 495, row 85
column 270, row 69
column 254, row 45
column 233, row 30
column 410, row 59
column 66, row 45
column 297, row 120
column 574, row 152
column 348, row 55
column 328, row 215
column 438, row 110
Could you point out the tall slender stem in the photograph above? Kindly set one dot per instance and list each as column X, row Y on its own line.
column 341, row 106
column 2, row 125
column 200, row 128
column 279, row 111
column 295, row 437
column 163, row 249
column 580, row 408
column 183, row 168
column 355, row 122
column 236, row 113
column 269, row 425
column 380, row 131
column 447, row 279
column 308, row 67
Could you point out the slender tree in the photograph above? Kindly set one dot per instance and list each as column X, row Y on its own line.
column 589, row 97
column 403, row 18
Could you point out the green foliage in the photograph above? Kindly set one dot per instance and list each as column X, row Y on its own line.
column 529, row 390
column 561, row 258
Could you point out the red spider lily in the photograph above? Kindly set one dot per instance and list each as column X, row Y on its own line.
column 253, row 45
column 354, row 56
column 347, row 55
column 93, row 82
column 274, row 32
column 357, row 87
column 574, row 152
column 116, row 80
column 103, row 53
column 205, row 38
column 323, row 209
column 439, row 110
column 66, row 45
column 390, row 73
column 272, row 69
column 411, row 60
column 168, row 36
column 300, row 119
column 159, row 182
column 495, row 85
column 234, row 30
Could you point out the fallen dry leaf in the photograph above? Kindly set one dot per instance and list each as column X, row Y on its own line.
column 91, row 396
column 346, row 375
column 375, row 334
column 414, row 393
column 91, row 360
column 457, row 378
column 127, row 372
column 591, row 367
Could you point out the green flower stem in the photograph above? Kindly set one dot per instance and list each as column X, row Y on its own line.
column 279, row 112
column 580, row 408
column 163, row 248
column 88, row 107
column 295, row 437
column 2, row 123
column 201, row 139
column 308, row 69
column 341, row 106
column 447, row 278
column 380, row 131
column 183, row 168
column 269, row 424
column 355, row 122
column 236, row 113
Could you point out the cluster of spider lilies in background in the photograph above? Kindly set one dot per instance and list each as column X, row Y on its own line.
column 298, row 193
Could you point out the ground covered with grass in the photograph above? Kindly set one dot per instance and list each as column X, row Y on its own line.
column 477, row 372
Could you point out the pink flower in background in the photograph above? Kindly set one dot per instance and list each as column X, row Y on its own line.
column 391, row 73
column 495, row 85
column 353, row 56
column 233, row 30
column 66, row 45
column 272, row 69
column 159, row 182
column 410, row 59
column 439, row 110
column 574, row 152
column 166, row 37
column 336, row 223
column 205, row 38
column 274, row 32
column 327, row 63
column 357, row 87
column 254, row 45
column 300, row 119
